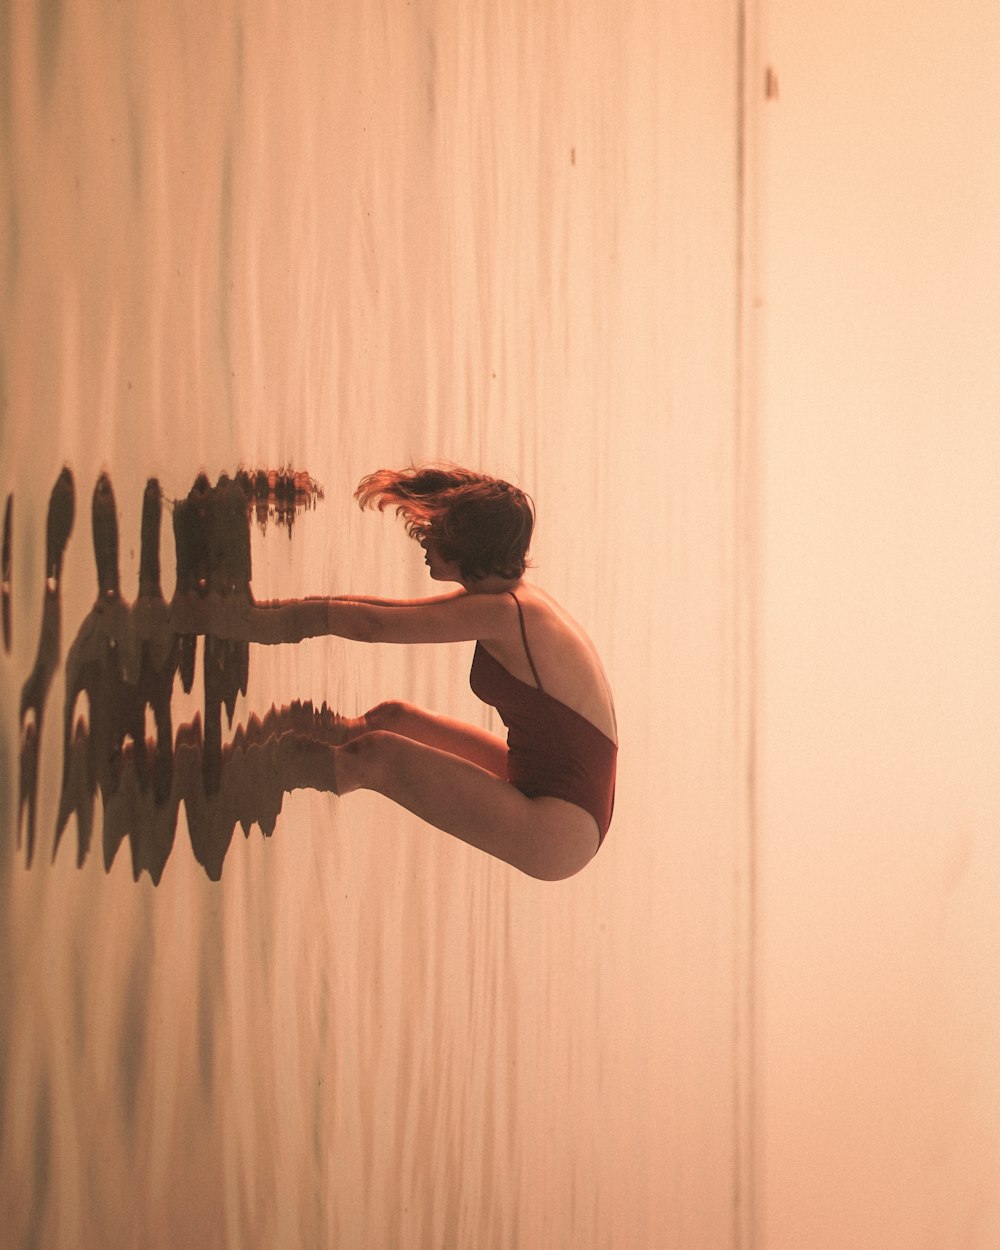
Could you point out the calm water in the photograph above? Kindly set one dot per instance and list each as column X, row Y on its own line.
column 331, row 238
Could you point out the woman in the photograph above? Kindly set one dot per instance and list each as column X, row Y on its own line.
column 543, row 799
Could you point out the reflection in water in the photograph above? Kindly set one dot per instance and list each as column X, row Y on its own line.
column 121, row 666
column 35, row 690
column 5, row 575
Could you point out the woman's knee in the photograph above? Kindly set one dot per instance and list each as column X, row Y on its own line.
column 558, row 867
column 563, row 852
column 390, row 715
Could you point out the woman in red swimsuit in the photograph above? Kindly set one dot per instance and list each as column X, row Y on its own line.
column 541, row 800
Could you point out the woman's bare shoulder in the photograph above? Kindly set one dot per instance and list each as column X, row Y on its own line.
column 548, row 613
column 566, row 658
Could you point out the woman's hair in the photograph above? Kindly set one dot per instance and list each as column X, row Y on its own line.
column 480, row 523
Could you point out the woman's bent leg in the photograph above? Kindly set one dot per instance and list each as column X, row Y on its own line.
column 469, row 742
column 545, row 838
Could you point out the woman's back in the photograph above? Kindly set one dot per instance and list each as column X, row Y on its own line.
column 565, row 659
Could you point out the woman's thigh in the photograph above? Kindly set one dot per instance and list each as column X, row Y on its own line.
column 544, row 837
column 479, row 746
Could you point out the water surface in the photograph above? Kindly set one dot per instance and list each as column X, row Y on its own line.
column 329, row 238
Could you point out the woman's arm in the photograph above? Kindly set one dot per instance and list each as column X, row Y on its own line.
column 395, row 603
column 455, row 617
column 292, row 620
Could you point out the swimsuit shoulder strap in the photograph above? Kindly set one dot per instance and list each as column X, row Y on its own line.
column 524, row 637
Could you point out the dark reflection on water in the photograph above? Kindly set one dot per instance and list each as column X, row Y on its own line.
column 34, row 693
column 8, row 514
column 120, row 672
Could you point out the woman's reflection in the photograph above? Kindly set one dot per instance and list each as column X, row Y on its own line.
column 121, row 667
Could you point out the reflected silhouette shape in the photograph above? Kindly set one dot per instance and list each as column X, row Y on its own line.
column 58, row 526
column 212, row 538
column 123, row 660
column 5, row 574
column 121, row 667
column 252, row 778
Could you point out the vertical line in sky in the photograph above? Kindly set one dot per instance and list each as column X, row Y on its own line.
column 745, row 483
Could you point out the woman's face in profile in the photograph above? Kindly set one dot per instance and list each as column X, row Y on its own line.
column 441, row 570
